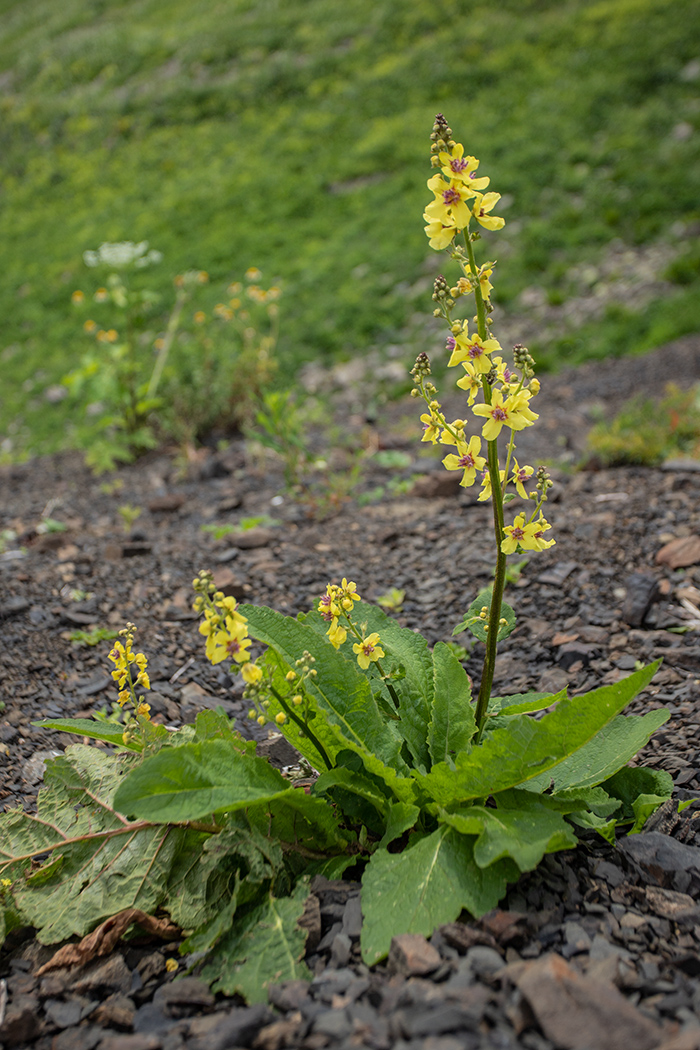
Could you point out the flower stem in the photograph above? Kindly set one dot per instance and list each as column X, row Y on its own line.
column 303, row 726
column 498, row 522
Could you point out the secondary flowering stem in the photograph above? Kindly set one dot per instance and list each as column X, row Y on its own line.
column 291, row 713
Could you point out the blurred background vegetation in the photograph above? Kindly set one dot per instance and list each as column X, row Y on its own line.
column 290, row 136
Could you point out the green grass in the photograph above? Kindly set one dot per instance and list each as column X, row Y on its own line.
column 293, row 137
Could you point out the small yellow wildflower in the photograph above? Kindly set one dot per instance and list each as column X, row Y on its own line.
column 456, row 166
column 431, row 428
column 199, row 317
column 513, row 412
column 298, row 700
column 528, row 536
column 89, row 327
column 485, row 493
column 482, row 206
column 101, row 295
column 280, row 718
column 253, row 274
column 450, row 204
column 519, row 476
column 368, row 650
column 336, row 634
column 475, row 351
column 171, row 965
column 251, row 673
column 77, row 297
column 467, row 460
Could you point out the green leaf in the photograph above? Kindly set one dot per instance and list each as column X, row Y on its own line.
column 196, row 780
column 632, row 781
column 610, row 749
column 592, row 822
column 473, row 622
column 523, row 703
column 262, row 949
column 452, row 724
column 402, row 817
column 355, row 784
column 300, row 820
column 643, row 807
column 519, row 752
column 109, row 733
column 424, row 886
column 524, row 835
column 98, row 863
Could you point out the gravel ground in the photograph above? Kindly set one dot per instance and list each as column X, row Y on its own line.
column 598, row 948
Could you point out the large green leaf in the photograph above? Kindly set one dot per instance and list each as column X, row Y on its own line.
column 523, row 703
column 607, row 752
column 196, row 780
column 452, row 724
column 264, row 948
column 340, row 688
column 98, row 863
column 527, row 747
column 424, row 886
column 525, row 835
column 301, row 821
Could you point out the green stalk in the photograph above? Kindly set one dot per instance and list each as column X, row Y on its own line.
column 498, row 522
column 168, row 338
column 303, row 726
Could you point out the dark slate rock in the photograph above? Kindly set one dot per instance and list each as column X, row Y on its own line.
column 642, row 590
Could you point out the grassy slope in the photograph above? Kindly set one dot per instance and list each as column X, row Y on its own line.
column 290, row 136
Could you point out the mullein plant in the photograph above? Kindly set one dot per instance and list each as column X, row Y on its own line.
column 435, row 800
column 498, row 396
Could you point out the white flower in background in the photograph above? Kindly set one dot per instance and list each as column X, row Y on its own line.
column 121, row 254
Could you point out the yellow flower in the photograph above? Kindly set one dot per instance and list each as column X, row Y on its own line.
column 368, row 650
column 486, row 486
column 253, row 274
column 251, row 673
column 101, row 295
column 473, row 350
column 513, row 412
column 431, row 428
column 482, row 206
column 336, row 634
column 280, row 718
column 77, row 297
column 171, row 965
column 450, row 204
column 143, row 709
column 519, row 476
column 440, row 234
column 467, row 460
column 457, row 166
column 484, row 282
column 349, row 590
column 471, row 382
column 529, row 537
column 89, row 327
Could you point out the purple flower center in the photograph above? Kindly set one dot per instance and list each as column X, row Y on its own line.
column 475, row 351
column 507, row 375
column 467, row 461
column 458, row 164
column 499, row 414
column 451, row 196
column 517, row 533
column 451, row 342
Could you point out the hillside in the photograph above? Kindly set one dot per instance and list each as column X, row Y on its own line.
column 294, row 138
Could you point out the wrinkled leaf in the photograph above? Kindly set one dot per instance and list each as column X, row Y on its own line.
column 522, row 703
column 402, row 817
column 264, row 948
column 428, row 884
